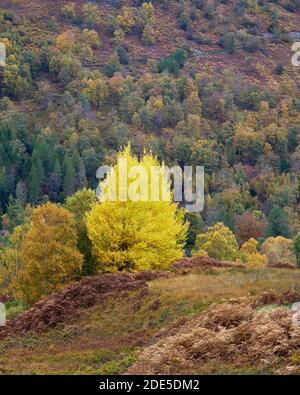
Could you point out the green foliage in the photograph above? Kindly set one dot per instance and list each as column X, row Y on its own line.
column 80, row 205
column 173, row 63
column 218, row 242
column 278, row 223
column 229, row 42
column 296, row 246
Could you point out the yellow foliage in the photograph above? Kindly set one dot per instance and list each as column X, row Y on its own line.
column 193, row 104
column 279, row 250
column 65, row 42
column 118, row 37
column 219, row 243
column 68, row 10
column 149, row 36
column 135, row 235
column 10, row 262
column 91, row 15
column 249, row 247
column 257, row 261
column 48, row 254
column 158, row 103
column 127, row 19
column 251, row 256
column 96, row 91
column 146, row 13
column 91, row 38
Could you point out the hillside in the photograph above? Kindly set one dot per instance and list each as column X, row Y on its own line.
column 211, row 19
column 84, row 79
column 182, row 324
column 143, row 285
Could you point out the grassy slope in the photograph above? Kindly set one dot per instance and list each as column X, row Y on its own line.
column 108, row 339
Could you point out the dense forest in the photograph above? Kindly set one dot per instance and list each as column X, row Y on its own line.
column 143, row 286
column 83, row 79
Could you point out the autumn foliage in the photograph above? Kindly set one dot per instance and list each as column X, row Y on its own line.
column 48, row 253
column 135, row 235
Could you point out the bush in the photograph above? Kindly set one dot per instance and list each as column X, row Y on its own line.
column 123, row 55
column 253, row 44
column 279, row 69
column 68, row 11
column 228, row 42
column 200, row 38
column 168, row 64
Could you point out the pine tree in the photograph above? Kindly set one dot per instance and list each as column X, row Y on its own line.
column 35, row 181
column 68, row 183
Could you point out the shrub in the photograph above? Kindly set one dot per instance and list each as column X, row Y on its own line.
column 68, row 11
column 123, row 55
column 279, row 69
column 253, row 44
column 228, row 42
column 200, row 38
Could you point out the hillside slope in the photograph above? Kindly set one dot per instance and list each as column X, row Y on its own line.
column 271, row 21
column 192, row 324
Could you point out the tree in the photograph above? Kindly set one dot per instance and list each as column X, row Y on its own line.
column 96, row 92
column 247, row 227
column 278, row 223
column 180, row 55
column 251, row 256
column 279, row 250
column 296, row 247
column 17, row 214
column 79, row 205
column 91, row 38
column 135, row 235
column 35, row 180
column 90, row 15
column 69, row 179
column 68, row 11
column 193, row 104
column 196, row 226
column 219, row 243
column 148, row 35
column 10, row 260
column 48, row 253
column 229, row 42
